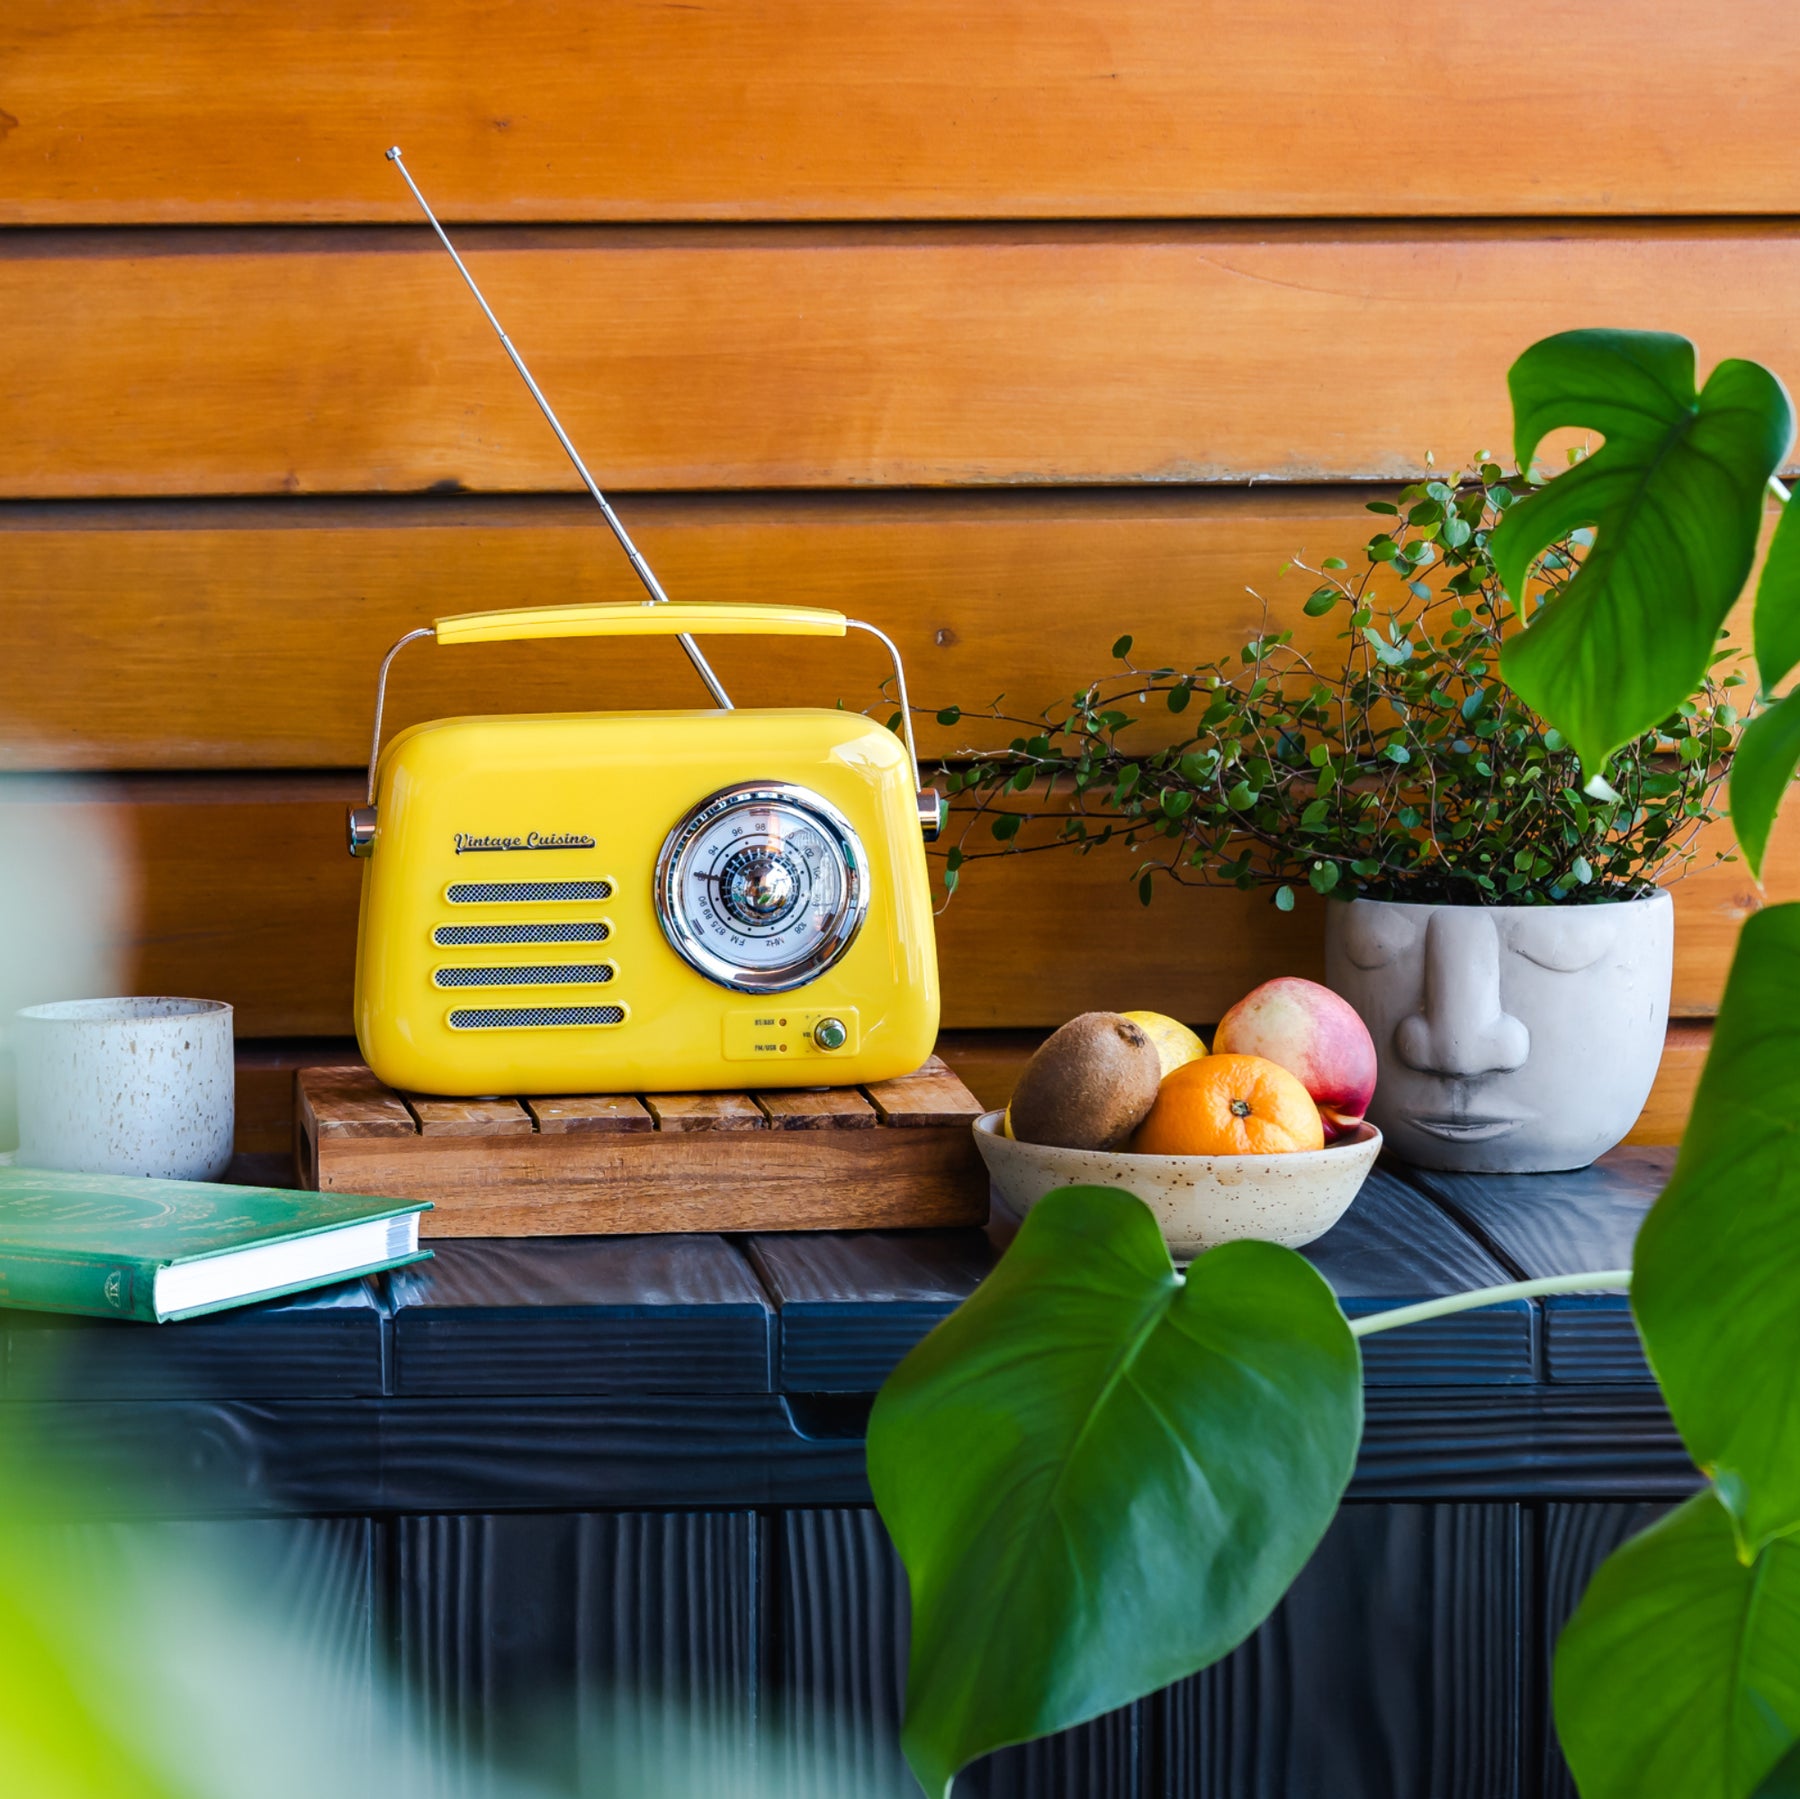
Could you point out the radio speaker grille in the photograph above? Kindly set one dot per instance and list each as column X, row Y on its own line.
column 544, row 974
column 513, row 893
column 495, row 1018
column 450, row 936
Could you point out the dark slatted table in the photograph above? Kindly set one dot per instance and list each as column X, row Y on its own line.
column 483, row 1450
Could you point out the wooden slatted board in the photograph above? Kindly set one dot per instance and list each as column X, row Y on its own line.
column 892, row 1155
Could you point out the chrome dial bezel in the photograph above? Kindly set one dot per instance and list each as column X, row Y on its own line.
column 829, row 948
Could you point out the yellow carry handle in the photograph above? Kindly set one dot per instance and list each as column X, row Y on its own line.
column 672, row 618
column 669, row 618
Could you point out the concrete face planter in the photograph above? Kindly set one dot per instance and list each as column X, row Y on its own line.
column 1510, row 1039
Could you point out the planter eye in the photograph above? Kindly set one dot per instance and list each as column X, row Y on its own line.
column 1373, row 936
column 1564, row 943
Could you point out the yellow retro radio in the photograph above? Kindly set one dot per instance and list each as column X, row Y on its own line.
column 643, row 901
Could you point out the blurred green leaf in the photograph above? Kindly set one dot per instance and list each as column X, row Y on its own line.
column 1767, row 755
column 1777, row 622
column 1102, row 1476
column 1321, row 602
column 1677, row 1674
column 1718, row 1259
column 1676, row 493
column 1122, row 648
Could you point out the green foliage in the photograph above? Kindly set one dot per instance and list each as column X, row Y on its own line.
column 1677, row 1674
column 1676, row 495
column 1402, row 768
column 1768, row 754
column 1783, row 1781
column 1414, row 773
column 1102, row 1476
column 1717, row 1283
column 1777, row 625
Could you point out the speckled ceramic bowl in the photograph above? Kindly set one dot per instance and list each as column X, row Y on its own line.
column 1200, row 1201
column 126, row 1086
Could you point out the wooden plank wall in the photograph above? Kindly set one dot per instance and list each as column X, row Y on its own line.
column 1007, row 328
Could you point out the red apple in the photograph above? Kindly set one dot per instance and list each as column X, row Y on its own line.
column 1314, row 1034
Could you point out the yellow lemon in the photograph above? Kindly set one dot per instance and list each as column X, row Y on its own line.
column 1176, row 1045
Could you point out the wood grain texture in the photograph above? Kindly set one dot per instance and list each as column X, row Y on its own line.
column 296, row 601
column 931, row 1099
column 667, row 1180
column 603, row 1112
column 469, row 1117
column 350, row 1102
column 320, row 588
column 1549, row 1442
column 323, row 1344
column 850, row 1305
column 1665, row 1112
column 679, row 1113
column 246, row 1458
column 809, row 356
column 841, row 1616
column 585, row 1648
column 821, row 1109
column 248, row 896
column 1394, row 1246
column 581, row 1315
column 232, row 110
column 1548, row 1224
column 1105, row 1756
column 510, row 1453
column 1575, row 1540
column 1430, row 1708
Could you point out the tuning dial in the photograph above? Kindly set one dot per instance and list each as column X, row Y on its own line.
column 829, row 1033
column 758, row 886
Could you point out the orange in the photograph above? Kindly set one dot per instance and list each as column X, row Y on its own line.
column 1230, row 1106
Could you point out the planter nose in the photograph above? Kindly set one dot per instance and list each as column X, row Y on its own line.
column 1461, row 1027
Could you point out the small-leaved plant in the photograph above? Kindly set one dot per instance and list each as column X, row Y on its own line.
column 1397, row 766
column 1102, row 1472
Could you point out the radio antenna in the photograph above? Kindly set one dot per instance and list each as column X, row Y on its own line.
column 644, row 573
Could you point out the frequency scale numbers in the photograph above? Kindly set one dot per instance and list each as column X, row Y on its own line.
column 761, row 887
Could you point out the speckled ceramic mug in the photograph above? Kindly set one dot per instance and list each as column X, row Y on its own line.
column 126, row 1086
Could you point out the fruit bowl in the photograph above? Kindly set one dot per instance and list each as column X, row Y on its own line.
column 1199, row 1201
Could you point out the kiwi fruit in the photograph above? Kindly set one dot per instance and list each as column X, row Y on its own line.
column 1089, row 1086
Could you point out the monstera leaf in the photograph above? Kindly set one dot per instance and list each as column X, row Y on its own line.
column 1677, row 1674
column 1717, row 1266
column 1784, row 1779
column 1767, row 755
column 1675, row 496
column 1770, row 749
column 1102, row 1476
column 1778, row 601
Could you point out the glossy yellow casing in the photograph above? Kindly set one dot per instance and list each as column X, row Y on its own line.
column 625, row 779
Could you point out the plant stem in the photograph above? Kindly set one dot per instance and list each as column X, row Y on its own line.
column 1487, row 1296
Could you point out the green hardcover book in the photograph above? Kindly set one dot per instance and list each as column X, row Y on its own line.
column 113, row 1246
